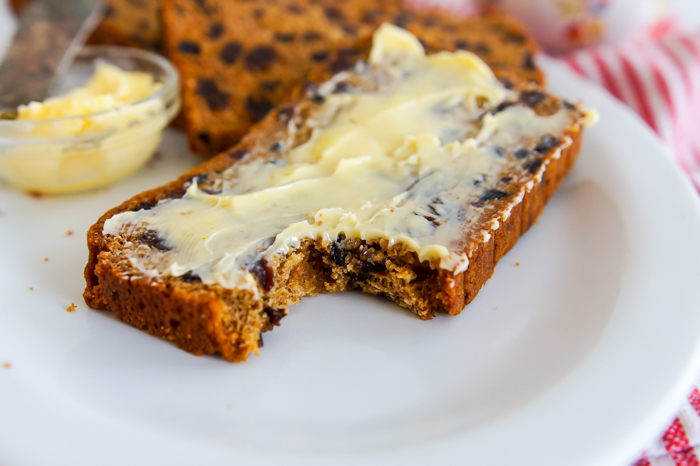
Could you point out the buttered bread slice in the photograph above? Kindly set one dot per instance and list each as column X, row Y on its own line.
column 407, row 175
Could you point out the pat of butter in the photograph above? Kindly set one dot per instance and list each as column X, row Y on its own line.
column 109, row 88
column 405, row 156
column 91, row 136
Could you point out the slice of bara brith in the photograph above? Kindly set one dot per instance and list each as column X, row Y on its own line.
column 406, row 175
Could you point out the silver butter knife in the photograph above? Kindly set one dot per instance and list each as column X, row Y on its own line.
column 50, row 34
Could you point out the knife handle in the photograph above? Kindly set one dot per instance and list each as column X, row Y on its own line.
column 50, row 33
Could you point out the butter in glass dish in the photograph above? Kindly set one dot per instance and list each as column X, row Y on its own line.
column 105, row 122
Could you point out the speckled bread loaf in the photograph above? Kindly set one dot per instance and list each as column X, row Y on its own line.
column 210, row 318
column 239, row 58
column 132, row 23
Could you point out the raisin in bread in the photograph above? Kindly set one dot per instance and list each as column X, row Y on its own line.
column 405, row 175
column 239, row 59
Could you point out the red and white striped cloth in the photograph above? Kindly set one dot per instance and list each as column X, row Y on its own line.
column 678, row 445
column 660, row 79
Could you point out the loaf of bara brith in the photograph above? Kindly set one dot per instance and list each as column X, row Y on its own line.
column 405, row 175
column 131, row 23
column 501, row 40
column 240, row 58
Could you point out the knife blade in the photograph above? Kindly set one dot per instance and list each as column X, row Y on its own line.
column 50, row 34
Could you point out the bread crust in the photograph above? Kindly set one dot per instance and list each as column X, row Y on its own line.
column 484, row 257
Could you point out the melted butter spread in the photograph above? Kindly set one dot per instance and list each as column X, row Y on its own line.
column 405, row 160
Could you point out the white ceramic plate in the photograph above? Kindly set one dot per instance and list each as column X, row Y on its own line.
column 576, row 356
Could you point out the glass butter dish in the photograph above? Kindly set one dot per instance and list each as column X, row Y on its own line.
column 105, row 121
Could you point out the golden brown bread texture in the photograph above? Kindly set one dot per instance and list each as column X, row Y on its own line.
column 238, row 58
column 206, row 319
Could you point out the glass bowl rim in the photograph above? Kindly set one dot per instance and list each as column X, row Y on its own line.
column 169, row 84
